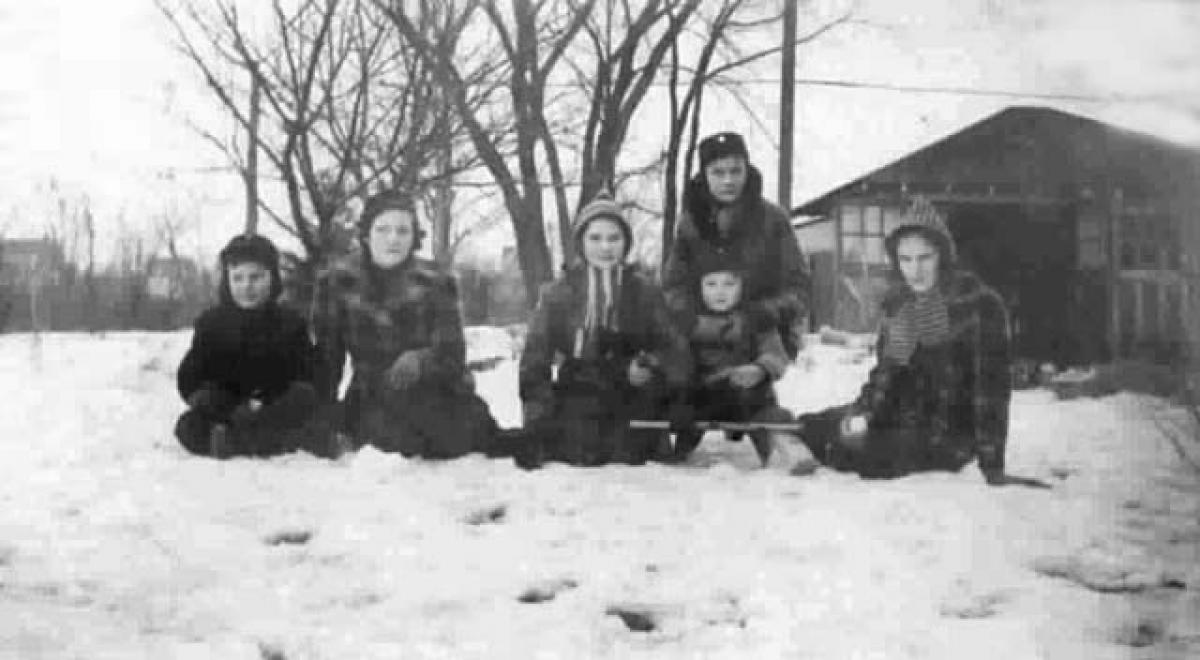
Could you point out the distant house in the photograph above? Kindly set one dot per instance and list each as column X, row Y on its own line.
column 1079, row 224
column 24, row 260
column 169, row 278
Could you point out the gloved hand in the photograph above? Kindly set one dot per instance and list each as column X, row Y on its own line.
column 211, row 400
column 746, row 376
column 244, row 414
column 405, row 371
column 639, row 375
column 201, row 399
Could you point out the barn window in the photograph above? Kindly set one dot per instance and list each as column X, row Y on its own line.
column 863, row 229
column 1148, row 241
column 1091, row 240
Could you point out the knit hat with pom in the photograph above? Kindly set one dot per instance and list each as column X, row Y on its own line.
column 604, row 207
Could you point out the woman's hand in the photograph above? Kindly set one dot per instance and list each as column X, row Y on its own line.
column 853, row 426
column 405, row 371
column 639, row 375
column 747, row 376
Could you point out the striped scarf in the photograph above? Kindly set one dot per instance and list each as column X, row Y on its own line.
column 600, row 311
column 923, row 320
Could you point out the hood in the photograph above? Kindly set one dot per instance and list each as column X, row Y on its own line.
column 701, row 206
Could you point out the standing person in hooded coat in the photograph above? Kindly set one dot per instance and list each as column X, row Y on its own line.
column 248, row 375
column 396, row 316
column 725, row 215
column 939, row 395
column 601, row 350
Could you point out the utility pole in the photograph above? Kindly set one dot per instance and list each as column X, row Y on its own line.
column 250, row 176
column 787, row 104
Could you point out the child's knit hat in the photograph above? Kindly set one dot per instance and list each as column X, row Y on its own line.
column 601, row 206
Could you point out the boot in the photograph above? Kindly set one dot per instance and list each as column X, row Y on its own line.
column 218, row 442
column 789, row 453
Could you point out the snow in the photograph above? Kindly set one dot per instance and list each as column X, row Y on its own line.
column 116, row 544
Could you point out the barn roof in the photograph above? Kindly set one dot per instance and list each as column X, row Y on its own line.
column 1035, row 149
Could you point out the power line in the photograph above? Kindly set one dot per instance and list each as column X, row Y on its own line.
column 925, row 89
column 939, row 89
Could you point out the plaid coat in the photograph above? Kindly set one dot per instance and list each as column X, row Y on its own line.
column 956, row 395
column 374, row 317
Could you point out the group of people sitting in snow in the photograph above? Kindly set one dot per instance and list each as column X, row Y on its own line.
column 606, row 346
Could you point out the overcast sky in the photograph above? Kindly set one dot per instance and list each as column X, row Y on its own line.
column 92, row 93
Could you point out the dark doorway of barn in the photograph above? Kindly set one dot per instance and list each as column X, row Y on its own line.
column 1026, row 253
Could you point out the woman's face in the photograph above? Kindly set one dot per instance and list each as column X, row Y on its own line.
column 918, row 259
column 603, row 243
column 726, row 178
column 391, row 238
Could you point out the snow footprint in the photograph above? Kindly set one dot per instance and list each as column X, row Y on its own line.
column 546, row 591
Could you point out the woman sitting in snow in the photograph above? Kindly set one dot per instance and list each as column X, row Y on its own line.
column 247, row 377
column 397, row 317
column 939, row 394
column 601, row 351
column 738, row 355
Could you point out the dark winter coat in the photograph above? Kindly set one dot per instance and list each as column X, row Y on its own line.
column 720, row 342
column 374, row 317
column 599, row 388
column 247, row 353
column 761, row 238
column 951, row 399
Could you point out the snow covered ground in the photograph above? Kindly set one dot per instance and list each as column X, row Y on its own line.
column 116, row 544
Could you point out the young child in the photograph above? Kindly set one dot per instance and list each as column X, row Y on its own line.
column 738, row 357
column 247, row 377
column 601, row 350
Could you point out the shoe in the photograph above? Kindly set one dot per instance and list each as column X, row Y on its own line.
column 762, row 446
column 218, row 441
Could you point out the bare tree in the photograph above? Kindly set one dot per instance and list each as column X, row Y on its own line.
column 346, row 108
column 617, row 76
column 532, row 39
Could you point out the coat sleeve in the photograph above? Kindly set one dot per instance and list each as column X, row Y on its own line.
column 669, row 349
column 328, row 320
column 194, row 370
column 445, row 358
column 676, row 280
column 771, row 355
column 993, row 383
column 871, row 394
column 303, row 354
column 536, row 388
column 790, row 298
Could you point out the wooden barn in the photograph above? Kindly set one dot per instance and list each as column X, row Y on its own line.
column 1089, row 231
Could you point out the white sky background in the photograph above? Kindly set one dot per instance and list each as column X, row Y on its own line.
column 92, row 94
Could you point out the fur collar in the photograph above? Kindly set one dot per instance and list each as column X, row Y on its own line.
column 701, row 206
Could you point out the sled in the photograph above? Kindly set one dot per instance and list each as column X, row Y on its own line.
column 715, row 425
